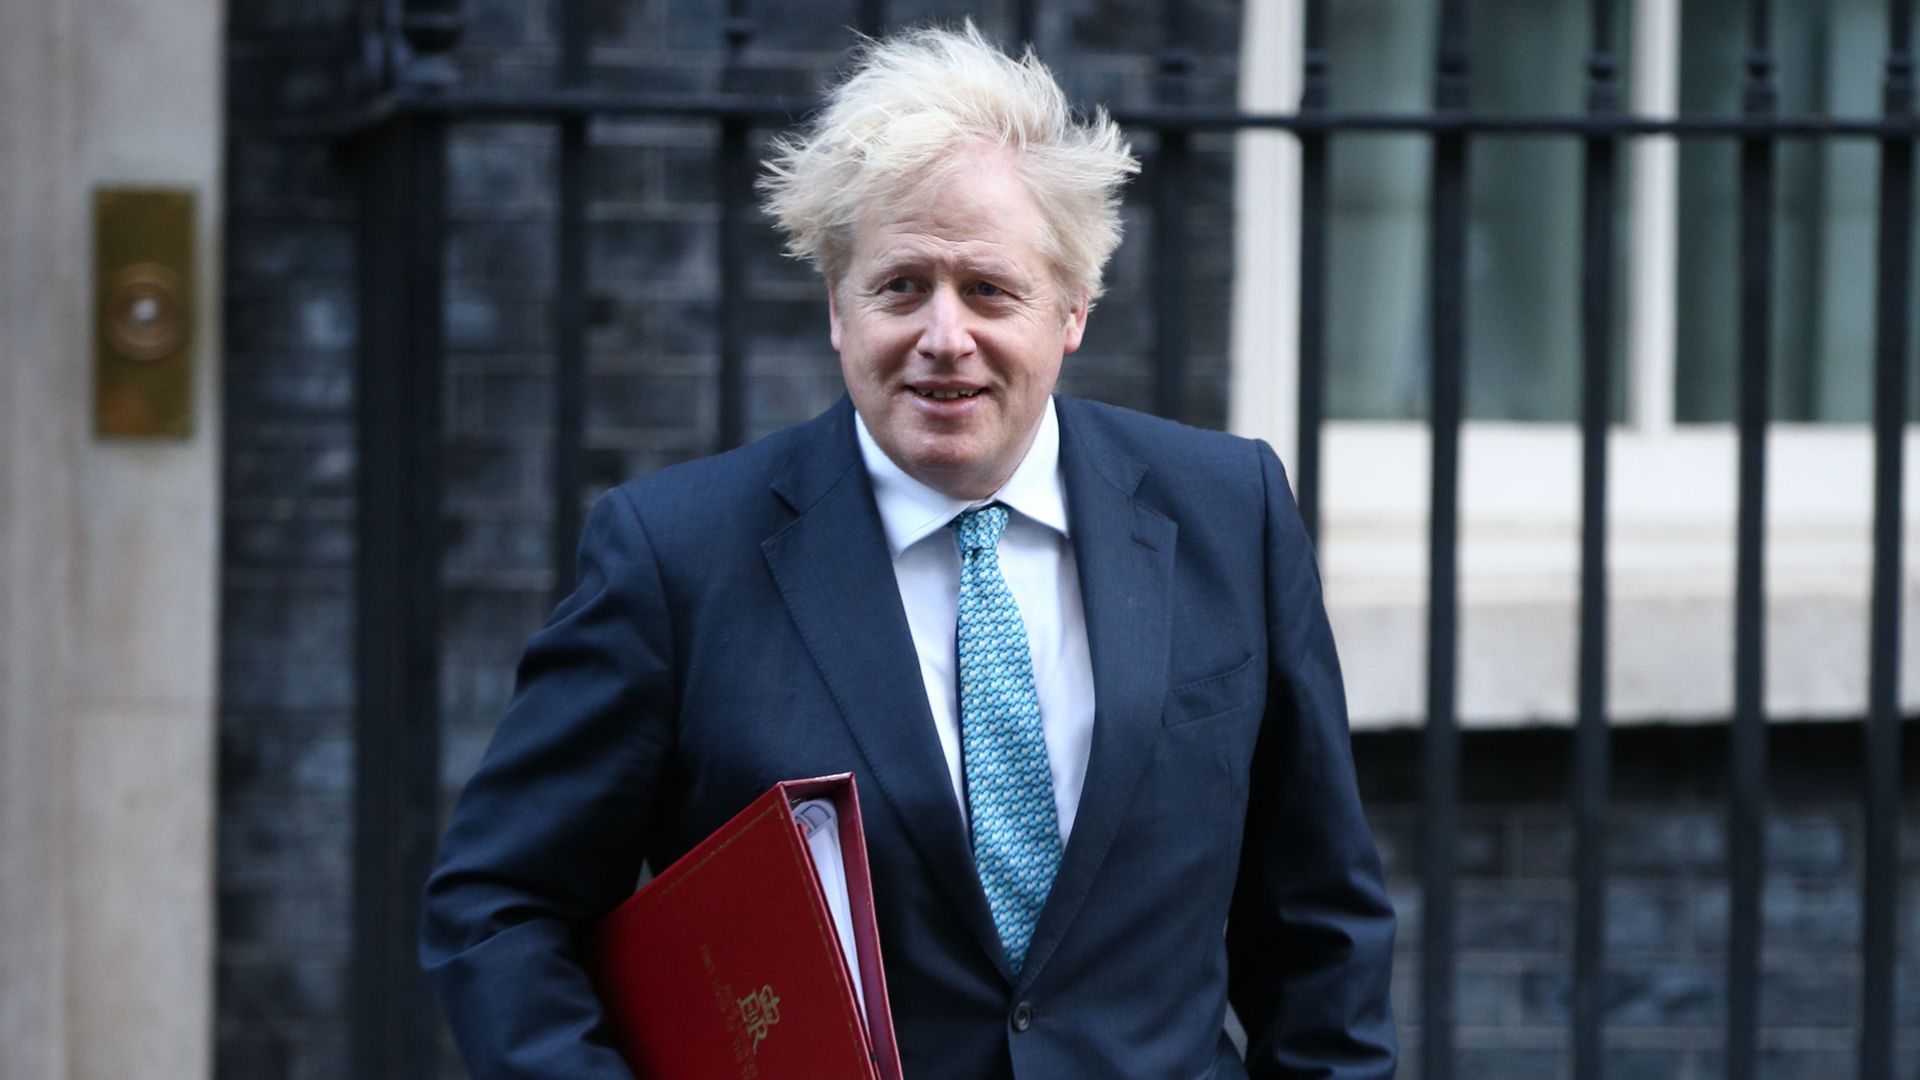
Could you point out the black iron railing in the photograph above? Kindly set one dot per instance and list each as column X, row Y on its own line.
column 1591, row 757
column 400, row 133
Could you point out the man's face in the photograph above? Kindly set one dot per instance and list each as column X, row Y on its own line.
column 951, row 328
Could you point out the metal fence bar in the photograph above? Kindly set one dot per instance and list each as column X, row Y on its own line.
column 1315, row 209
column 1447, row 268
column 1747, row 823
column 1591, row 765
column 484, row 104
column 570, row 309
column 735, row 172
column 1880, row 890
column 396, row 577
column 1170, row 198
column 1026, row 18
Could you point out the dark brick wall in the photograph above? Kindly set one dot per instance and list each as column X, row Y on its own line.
column 286, row 682
column 1666, row 983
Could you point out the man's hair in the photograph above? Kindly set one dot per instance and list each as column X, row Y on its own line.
column 891, row 129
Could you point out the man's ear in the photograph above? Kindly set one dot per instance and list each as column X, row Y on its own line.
column 1076, row 322
column 833, row 315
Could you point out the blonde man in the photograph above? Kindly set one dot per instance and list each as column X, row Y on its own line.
column 1076, row 656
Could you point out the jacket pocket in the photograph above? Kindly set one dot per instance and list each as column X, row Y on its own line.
column 1208, row 697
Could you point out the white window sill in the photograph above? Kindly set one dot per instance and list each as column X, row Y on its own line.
column 1672, row 506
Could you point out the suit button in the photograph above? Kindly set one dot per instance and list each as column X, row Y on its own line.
column 1022, row 1016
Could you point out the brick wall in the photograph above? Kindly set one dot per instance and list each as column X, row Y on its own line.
column 286, row 675
column 1666, row 959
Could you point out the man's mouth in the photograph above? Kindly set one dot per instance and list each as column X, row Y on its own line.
column 949, row 395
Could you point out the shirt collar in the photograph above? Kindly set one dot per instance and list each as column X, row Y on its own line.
column 910, row 511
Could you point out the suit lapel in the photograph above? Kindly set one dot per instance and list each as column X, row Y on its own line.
column 1125, row 554
column 835, row 574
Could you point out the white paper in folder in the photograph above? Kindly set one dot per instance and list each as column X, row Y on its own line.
column 822, row 826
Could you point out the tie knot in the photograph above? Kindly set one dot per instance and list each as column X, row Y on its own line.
column 979, row 530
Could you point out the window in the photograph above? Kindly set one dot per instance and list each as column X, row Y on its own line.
column 1672, row 492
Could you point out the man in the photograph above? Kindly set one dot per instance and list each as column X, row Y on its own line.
column 1077, row 657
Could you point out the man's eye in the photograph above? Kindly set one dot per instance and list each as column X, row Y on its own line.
column 898, row 285
column 989, row 289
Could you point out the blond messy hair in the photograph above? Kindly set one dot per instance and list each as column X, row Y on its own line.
column 890, row 129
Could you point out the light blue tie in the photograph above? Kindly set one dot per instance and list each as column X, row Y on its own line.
column 1016, row 832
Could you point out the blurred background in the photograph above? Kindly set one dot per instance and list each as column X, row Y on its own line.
column 1584, row 328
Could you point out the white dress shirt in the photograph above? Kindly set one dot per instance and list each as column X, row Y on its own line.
column 1036, row 556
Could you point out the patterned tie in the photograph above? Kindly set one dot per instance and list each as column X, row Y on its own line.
column 1016, row 832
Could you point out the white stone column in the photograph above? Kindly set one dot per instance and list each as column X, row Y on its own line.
column 35, row 484
column 108, row 563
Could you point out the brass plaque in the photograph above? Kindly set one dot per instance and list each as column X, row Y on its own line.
column 143, row 302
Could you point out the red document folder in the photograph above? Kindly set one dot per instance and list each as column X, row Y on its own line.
column 728, row 964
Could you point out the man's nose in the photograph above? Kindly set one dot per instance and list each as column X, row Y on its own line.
column 946, row 334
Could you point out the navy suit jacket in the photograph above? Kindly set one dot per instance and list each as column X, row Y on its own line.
column 737, row 623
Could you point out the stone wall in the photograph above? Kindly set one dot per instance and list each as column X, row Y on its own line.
column 108, row 560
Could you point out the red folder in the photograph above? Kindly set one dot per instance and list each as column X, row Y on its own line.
column 728, row 964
